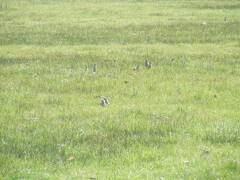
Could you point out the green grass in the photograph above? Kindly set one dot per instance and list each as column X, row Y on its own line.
column 178, row 120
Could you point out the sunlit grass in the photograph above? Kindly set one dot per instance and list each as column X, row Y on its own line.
column 178, row 119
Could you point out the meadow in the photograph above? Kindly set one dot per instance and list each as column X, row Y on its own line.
column 179, row 119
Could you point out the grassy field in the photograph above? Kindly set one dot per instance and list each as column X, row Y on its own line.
column 178, row 120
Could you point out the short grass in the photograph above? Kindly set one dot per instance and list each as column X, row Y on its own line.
column 178, row 120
